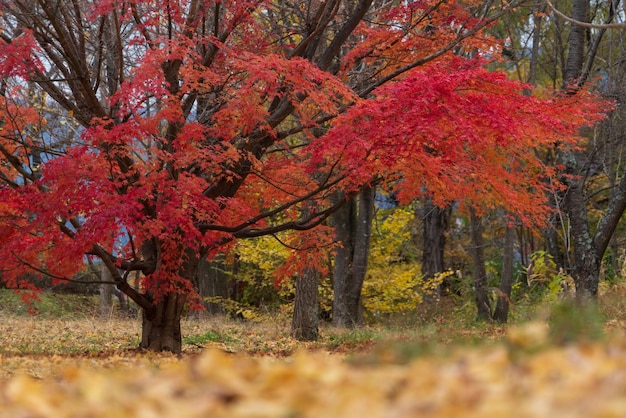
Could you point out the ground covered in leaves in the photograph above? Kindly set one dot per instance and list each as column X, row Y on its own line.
column 55, row 367
column 583, row 380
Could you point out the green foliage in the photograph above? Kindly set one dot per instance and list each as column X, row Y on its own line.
column 546, row 282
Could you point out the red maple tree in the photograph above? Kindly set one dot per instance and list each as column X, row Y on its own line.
column 198, row 123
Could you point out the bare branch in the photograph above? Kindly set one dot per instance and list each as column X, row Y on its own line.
column 584, row 24
column 54, row 276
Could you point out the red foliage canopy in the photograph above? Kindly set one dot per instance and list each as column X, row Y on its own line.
column 213, row 125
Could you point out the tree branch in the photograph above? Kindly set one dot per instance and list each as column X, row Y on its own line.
column 54, row 276
column 584, row 24
column 453, row 44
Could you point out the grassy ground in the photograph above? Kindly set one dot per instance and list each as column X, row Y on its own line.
column 58, row 330
column 71, row 326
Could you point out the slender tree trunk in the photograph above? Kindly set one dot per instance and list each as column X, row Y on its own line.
column 305, row 321
column 586, row 266
column 435, row 222
column 123, row 300
column 353, row 226
column 551, row 239
column 572, row 74
column 161, row 331
column 534, row 56
column 106, row 294
column 501, row 312
column 212, row 282
column 550, row 232
column 480, row 272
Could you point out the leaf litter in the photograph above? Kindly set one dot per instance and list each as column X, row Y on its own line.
column 512, row 380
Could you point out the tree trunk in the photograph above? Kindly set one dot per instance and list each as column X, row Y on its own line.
column 588, row 249
column 551, row 240
column 106, row 294
column 161, row 331
column 212, row 282
column 305, row 322
column 435, row 222
column 343, row 222
column 534, row 55
column 576, row 46
column 480, row 272
column 586, row 271
column 353, row 227
column 501, row 313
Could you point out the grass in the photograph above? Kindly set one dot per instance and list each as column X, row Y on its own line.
column 70, row 326
column 202, row 339
column 49, row 305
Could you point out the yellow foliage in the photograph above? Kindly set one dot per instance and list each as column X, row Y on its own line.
column 265, row 253
column 394, row 282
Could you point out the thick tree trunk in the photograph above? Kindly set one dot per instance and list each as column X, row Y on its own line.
column 343, row 222
column 353, row 226
column 161, row 330
column 435, row 222
column 480, row 272
column 501, row 313
column 587, row 261
column 305, row 321
column 588, row 249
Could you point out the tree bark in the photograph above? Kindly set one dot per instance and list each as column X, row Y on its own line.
column 435, row 221
column 212, row 282
column 106, row 294
column 480, row 272
column 534, row 55
column 587, row 261
column 501, row 312
column 305, row 321
column 161, row 330
column 353, row 227
column 160, row 327
column 588, row 249
column 576, row 46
